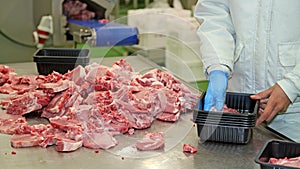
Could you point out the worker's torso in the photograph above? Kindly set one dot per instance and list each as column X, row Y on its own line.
column 267, row 40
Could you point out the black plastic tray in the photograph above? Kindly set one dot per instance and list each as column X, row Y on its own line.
column 277, row 149
column 223, row 118
column 240, row 124
column 60, row 59
column 240, row 101
column 224, row 126
column 226, row 134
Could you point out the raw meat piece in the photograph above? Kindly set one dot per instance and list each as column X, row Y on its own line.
column 151, row 141
column 230, row 110
column 77, row 75
column 98, row 97
column 67, row 145
column 77, row 10
column 71, row 126
column 64, row 123
column 170, row 117
column 25, row 140
column 60, row 103
column 99, row 140
column 123, row 65
column 28, row 102
column 143, row 121
column 187, row 148
column 51, row 78
column 291, row 162
column 9, row 124
column 225, row 109
column 56, row 87
column 131, row 131
column 103, row 84
column 7, row 75
column 7, row 89
column 168, row 101
column 96, row 71
column 127, row 106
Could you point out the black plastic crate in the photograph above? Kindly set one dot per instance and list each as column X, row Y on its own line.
column 60, row 59
column 277, row 149
column 228, row 127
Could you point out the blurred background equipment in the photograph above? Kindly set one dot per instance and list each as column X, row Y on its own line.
column 36, row 24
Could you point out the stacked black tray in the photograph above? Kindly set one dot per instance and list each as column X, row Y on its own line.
column 226, row 126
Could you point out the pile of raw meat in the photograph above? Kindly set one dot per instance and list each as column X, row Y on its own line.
column 89, row 105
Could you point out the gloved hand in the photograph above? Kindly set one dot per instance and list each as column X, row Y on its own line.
column 216, row 91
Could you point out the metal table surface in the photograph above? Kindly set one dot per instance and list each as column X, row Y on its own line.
column 210, row 155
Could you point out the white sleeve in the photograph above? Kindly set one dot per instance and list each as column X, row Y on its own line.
column 290, row 83
column 217, row 35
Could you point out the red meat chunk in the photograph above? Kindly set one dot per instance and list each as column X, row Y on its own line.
column 187, row 148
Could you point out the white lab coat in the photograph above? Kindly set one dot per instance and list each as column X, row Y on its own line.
column 256, row 41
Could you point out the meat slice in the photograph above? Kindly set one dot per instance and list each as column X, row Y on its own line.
column 187, row 148
column 51, row 78
column 56, row 87
column 61, row 102
column 168, row 101
column 122, row 64
column 65, row 123
column 28, row 102
column 7, row 89
column 77, row 75
column 97, row 97
column 169, row 117
column 5, row 72
column 142, row 121
column 10, row 124
column 25, row 140
column 67, row 145
column 151, row 141
column 102, row 140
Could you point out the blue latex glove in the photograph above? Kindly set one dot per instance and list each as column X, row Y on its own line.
column 216, row 91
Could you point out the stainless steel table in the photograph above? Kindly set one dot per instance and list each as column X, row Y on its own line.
column 210, row 155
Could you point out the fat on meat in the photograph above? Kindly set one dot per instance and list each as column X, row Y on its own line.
column 67, row 145
column 55, row 87
column 151, row 141
column 102, row 140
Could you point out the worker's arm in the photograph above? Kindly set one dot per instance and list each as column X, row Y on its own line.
column 217, row 46
column 277, row 98
column 216, row 33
